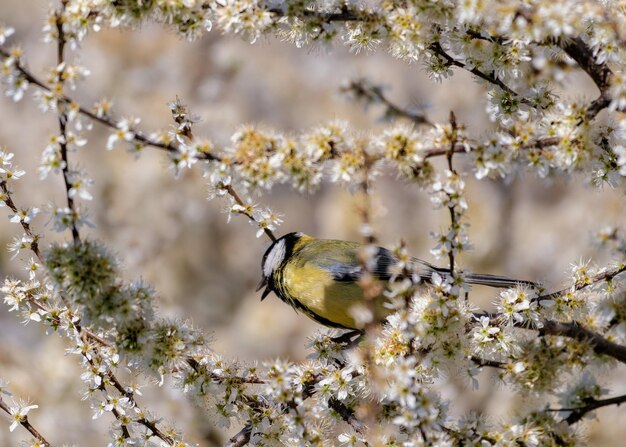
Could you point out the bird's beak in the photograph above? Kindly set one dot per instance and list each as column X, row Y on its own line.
column 262, row 284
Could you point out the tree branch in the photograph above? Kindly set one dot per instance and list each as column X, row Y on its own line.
column 592, row 404
column 489, row 77
column 463, row 148
column 63, row 120
column 82, row 332
column 231, row 191
column 34, row 245
column 578, row 332
column 104, row 120
column 601, row 74
column 26, row 424
column 347, row 414
column 606, row 275
column 241, row 438
column 373, row 94
column 480, row 362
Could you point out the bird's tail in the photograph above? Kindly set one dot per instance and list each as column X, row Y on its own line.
column 497, row 281
column 501, row 282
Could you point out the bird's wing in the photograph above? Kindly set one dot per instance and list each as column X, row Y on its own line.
column 341, row 259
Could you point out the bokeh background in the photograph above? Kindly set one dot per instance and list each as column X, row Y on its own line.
column 165, row 231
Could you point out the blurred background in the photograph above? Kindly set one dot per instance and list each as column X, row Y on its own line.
column 164, row 230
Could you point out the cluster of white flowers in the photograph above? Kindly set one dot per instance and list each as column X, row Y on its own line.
column 519, row 306
column 14, row 81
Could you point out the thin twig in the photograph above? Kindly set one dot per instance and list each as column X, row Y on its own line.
column 578, row 413
column 480, row 362
column 34, row 245
column 463, row 148
column 606, row 275
column 347, row 414
column 24, row 422
column 576, row 331
column 172, row 148
column 374, row 94
column 489, row 77
column 451, row 208
column 65, row 168
column 601, row 74
column 104, row 120
column 231, row 191
column 241, row 438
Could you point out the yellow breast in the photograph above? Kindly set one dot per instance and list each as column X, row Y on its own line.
column 317, row 291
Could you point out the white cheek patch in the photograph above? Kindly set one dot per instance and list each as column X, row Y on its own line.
column 274, row 258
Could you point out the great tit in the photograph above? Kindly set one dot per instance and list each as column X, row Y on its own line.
column 319, row 277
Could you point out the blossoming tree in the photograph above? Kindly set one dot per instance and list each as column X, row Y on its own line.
column 383, row 389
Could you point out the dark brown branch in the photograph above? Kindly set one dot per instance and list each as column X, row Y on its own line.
column 575, row 48
column 453, row 215
column 63, row 122
column 151, row 425
column 606, row 275
column 124, row 427
column 197, row 367
column 34, row 245
column 104, row 120
column 573, row 330
column 169, row 147
column 347, row 414
column 489, row 77
column 591, row 405
column 601, row 74
column 480, row 362
column 344, row 15
column 373, row 94
column 576, row 331
column 463, row 148
column 26, row 424
column 241, row 438
column 229, row 189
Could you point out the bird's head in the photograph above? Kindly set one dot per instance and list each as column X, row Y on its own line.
column 273, row 259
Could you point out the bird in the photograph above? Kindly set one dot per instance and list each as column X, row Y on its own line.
column 319, row 277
